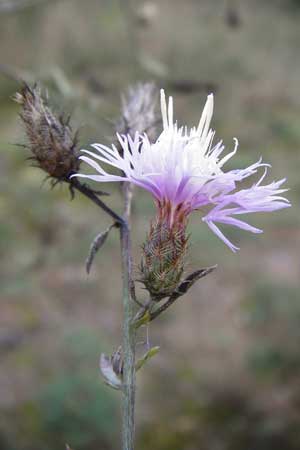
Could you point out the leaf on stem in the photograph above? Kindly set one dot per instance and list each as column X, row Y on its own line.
column 191, row 279
column 181, row 290
column 149, row 354
column 95, row 247
column 107, row 370
column 142, row 320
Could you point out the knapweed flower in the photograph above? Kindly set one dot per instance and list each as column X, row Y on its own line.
column 183, row 171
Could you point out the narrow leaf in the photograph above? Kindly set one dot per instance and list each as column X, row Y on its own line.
column 142, row 320
column 95, row 247
column 148, row 355
column 192, row 278
column 110, row 377
column 181, row 290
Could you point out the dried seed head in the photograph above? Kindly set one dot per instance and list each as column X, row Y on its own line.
column 163, row 258
column 139, row 111
column 51, row 139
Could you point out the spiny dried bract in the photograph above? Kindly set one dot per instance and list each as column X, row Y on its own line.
column 163, row 259
column 139, row 111
column 51, row 139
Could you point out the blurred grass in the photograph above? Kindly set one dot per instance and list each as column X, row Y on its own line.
column 229, row 350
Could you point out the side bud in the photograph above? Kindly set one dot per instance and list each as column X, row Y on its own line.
column 51, row 139
column 163, row 258
column 139, row 111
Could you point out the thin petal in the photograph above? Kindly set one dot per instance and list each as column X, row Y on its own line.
column 220, row 235
column 239, row 224
column 230, row 155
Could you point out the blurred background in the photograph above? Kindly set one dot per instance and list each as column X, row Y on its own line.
column 228, row 372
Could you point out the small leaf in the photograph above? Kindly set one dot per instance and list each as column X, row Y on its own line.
column 117, row 362
column 142, row 320
column 110, row 377
column 150, row 353
column 192, row 278
column 181, row 290
column 95, row 246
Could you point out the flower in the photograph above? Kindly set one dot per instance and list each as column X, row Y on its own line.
column 184, row 172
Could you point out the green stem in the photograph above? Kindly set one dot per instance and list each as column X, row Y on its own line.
column 128, row 404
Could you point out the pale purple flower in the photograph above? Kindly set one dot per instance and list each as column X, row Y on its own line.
column 184, row 172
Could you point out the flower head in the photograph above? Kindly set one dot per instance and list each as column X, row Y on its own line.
column 50, row 138
column 183, row 171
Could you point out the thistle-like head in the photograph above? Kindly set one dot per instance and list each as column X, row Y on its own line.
column 50, row 138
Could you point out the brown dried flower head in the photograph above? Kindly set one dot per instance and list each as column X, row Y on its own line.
column 51, row 139
column 139, row 111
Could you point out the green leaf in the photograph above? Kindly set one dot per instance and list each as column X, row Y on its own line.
column 149, row 354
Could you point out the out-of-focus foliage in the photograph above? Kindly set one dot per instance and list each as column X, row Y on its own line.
column 274, row 316
column 72, row 405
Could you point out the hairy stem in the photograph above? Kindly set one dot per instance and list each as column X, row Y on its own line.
column 128, row 405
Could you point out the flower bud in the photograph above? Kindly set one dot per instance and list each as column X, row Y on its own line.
column 139, row 111
column 163, row 258
column 51, row 139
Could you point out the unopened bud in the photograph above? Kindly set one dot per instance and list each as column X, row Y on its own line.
column 51, row 139
column 139, row 112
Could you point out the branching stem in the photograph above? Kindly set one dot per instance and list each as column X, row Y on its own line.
column 129, row 331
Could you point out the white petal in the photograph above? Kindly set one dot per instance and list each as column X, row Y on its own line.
column 163, row 107
column 230, row 155
column 206, row 116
